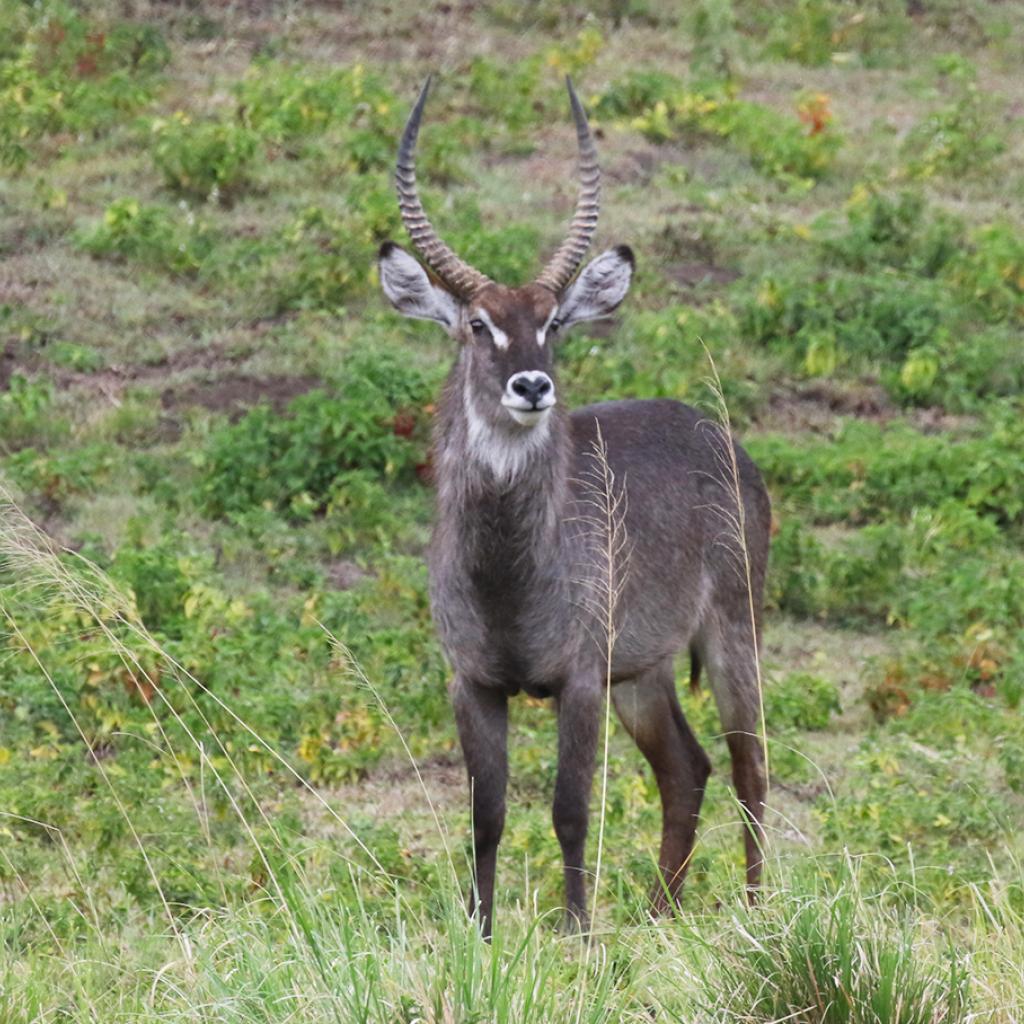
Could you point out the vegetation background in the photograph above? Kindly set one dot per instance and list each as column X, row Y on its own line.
column 229, row 784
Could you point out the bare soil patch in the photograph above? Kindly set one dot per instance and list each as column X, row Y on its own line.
column 407, row 795
column 816, row 406
column 234, row 395
column 692, row 275
column 344, row 574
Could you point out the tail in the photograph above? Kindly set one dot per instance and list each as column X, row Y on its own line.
column 694, row 670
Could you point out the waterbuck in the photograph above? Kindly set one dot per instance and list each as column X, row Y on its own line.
column 515, row 560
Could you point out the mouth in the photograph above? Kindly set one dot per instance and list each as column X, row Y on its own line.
column 526, row 415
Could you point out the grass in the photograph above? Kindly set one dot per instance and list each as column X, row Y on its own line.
column 810, row 955
column 229, row 788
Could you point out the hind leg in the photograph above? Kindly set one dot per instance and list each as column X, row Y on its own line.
column 731, row 655
column 650, row 711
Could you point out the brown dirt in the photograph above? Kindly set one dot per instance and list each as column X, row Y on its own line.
column 692, row 275
column 815, row 407
column 345, row 574
column 393, row 791
column 234, row 395
column 638, row 165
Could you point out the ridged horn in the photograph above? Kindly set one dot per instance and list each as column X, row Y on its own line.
column 458, row 275
column 561, row 267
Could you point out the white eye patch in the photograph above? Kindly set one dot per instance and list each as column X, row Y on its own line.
column 499, row 337
column 542, row 332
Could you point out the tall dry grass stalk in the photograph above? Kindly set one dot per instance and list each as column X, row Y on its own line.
column 605, row 522
column 598, row 582
column 737, row 526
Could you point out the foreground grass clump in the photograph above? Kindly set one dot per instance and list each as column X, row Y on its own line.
column 818, row 952
column 826, row 955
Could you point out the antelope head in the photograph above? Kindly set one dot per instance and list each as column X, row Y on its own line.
column 507, row 334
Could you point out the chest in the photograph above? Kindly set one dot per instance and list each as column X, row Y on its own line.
column 505, row 618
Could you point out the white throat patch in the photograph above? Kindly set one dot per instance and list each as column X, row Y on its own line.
column 505, row 452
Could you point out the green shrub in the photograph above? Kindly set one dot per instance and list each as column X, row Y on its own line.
column 961, row 373
column 293, row 462
column 899, row 231
column 66, row 70
column 149, row 234
column 716, row 41
column 866, row 316
column 637, row 91
column 805, row 31
column 52, row 477
column 778, row 145
column 859, row 580
column 81, row 358
column 288, row 103
column 867, row 472
column 655, row 354
column 26, row 414
column 990, row 271
column 883, row 301
column 510, row 253
column 815, row 32
column 323, row 259
column 516, row 96
column 801, row 701
column 958, row 139
column 203, row 159
column 159, row 576
column 508, row 93
column 363, row 513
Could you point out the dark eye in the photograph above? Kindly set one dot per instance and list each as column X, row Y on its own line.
column 554, row 325
column 478, row 326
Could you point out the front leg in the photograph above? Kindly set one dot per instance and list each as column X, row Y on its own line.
column 481, row 715
column 579, row 720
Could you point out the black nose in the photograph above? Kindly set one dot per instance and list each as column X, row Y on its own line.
column 533, row 389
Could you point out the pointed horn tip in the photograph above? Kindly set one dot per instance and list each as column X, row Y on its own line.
column 575, row 103
column 412, row 125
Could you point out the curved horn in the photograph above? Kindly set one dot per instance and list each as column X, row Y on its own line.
column 561, row 267
column 460, row 277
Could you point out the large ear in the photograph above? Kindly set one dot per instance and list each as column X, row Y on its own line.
column 599, row 289
column 411, row 291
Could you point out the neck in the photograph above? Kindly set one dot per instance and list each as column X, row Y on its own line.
column 504, row 484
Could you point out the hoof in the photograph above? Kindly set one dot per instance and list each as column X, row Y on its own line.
column 576, row 922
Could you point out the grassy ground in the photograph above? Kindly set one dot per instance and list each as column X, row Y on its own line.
column 229, row 784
